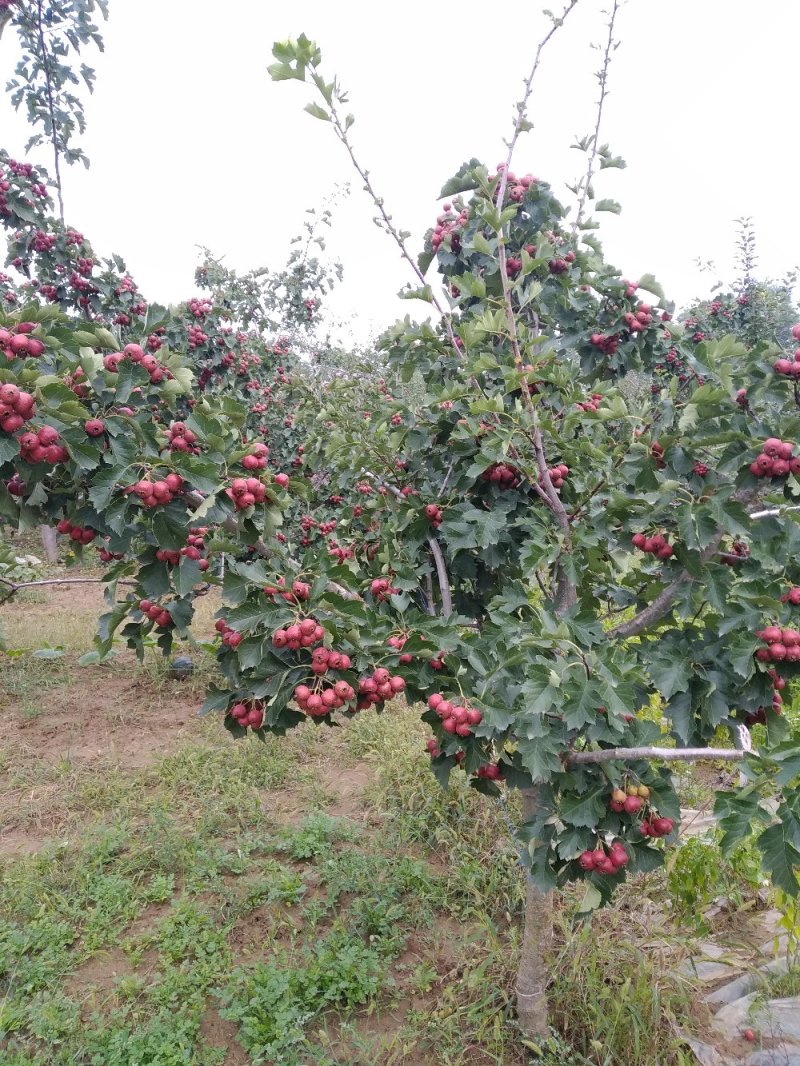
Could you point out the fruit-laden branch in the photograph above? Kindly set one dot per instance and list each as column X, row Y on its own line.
column 662, row 604
column 581, row 758
column 231, row 526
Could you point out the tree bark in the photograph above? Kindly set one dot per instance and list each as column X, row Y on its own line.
column 49, row 542
column 538, row 931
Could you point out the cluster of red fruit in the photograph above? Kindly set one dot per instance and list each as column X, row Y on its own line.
column 601, row 861
column 397, row 642
column 80, row 534
column 256, row 459
column 639, row 320
column 193, row 549
column 230, row 637
column 455, row 718
column 657, row 545
column 381, row 588
column 158, row 492
column 378, row 687
column 246, row 492
column 449, row 225
column 297, row 593
column 492, row 771
column 248, row 713
column 592, row 404
column 17, row 343
column 322, row 700
column 107, row 556
column 517, row 187
column 790, row 367
column 156, row 613
column 196, row 337
column 148, row 362
column 181, row 439
column 16, row 407
column 792, row 596
column 633, row 799
column 303, row 634
column 607, row 343
column 199, row 308
column 557, row 475
column 777, row 459
column 435, row 751
column 434, row 514
column 502, row 475
column 41, row 446
column 781, row 644
column 338, row 552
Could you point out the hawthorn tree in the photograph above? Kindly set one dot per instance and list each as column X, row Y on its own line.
column 585, row 534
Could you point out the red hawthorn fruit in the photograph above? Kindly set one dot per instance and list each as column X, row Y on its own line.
column 662, row 827
column 95, row 427
column 770, row 634
column 632, row 804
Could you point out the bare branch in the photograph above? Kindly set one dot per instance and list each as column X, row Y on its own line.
column 45, row 59
column 582, row 758
column 603, row 79
column 522, row 106
column 442, row 576
column 386, row 222
column 17, row 586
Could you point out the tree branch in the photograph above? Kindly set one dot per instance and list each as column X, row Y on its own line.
column 603, row 79
column 17, row 586
column 442, row 576
column 662, row 604
column 583, row 758
column 387, row 224
column 51, row 107
column 522, row 106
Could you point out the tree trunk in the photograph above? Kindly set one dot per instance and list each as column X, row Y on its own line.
column 50, row 543
column 532, row 975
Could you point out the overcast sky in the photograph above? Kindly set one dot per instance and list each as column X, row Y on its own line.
column 192, row 144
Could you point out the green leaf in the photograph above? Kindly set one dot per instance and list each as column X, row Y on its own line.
column 539, row 760
column 780, row 857
column 317, row 112
column 649, row 284
column 464, row 179
column 608, row 205
column 670, row 673
column 584, row 810
column 187, row 575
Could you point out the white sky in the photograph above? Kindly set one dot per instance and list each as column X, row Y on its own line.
column 192, row 144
